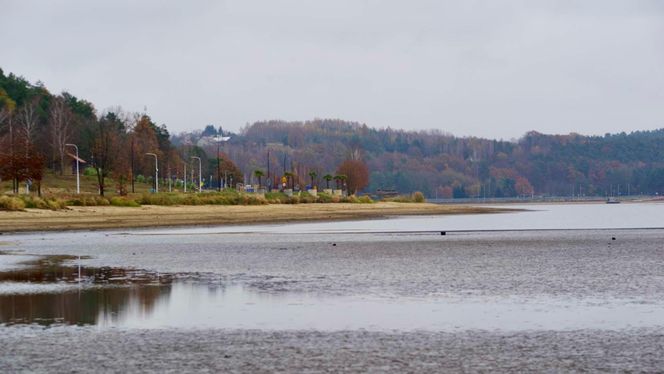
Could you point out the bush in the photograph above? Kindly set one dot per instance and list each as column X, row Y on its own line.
column 228, row 197
column 306, row 198
column 119, row 201
column 418, row 197
column 415, row 197
column 11, row 203
column 88, row 200
column 324, row 197
column 90, row 172
column 52, row 203
column 350, row 199
column 56, row 204
column 366, row 199
column 292, row 200
column 255, row 200
column 276, row 197
column 166, row 199
column 34, row 202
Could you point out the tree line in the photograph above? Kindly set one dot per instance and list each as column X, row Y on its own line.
column 36, row 128
column 442, row 165
column 42, row 131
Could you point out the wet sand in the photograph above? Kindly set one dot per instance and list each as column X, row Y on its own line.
column 81, row 350
column 109, row 217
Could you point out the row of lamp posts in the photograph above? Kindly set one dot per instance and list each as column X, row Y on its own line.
column 156, row 169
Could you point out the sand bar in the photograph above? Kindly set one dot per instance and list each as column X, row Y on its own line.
column 109, row 217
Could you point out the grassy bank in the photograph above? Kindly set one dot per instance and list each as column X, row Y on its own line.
column 226, row 197
column 58, row 192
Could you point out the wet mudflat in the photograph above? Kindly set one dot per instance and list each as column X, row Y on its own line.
column 80, row 350
column 261, row 300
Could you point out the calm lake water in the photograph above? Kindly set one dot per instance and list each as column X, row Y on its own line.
column 384, row 275
column 536, row 217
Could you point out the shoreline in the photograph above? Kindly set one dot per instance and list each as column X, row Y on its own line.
column 111, row 217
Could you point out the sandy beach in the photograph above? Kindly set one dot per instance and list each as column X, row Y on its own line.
column 109, row 217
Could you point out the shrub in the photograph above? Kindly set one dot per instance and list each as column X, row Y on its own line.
column 401, row 199
column 90, row 172
column 256, row 200
column 418, row 197
column 365, row 199
column 166, row 199
column 192, row 200
column 55, row 204
column 324, row 197
column 51, row 203
column 34, row 202
column 276, row 197
column 119, row 201
column 292, row 199
column 11, row 203
column 350, row 199
column 306, row 198
column 88, row 200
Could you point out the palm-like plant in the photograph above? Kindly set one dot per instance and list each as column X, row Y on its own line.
column 327, row 178
column 259, row 174
column 337, row 180
column 342, row 179
column 313, row 175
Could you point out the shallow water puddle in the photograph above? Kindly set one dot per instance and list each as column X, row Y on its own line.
column 48, row 290
column 194, row 305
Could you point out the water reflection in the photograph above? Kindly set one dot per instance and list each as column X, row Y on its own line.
column 190, row 304
column 83, row 307
column 131, row 298
column 58, row 269
column 79, row 296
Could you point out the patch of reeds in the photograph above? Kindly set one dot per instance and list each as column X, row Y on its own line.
column 51, row 203
column 415, row 197
column 125, row 202
column 10, row 203
column 88, row 200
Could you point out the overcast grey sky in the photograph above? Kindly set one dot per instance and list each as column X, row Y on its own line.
column 485, row 68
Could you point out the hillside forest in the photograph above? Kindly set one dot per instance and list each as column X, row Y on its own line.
column 38, row 127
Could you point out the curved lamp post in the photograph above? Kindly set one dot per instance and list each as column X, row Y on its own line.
column 156, row 172
column 78, row 175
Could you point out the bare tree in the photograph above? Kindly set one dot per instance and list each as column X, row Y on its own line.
column 60, row 129
column 27, row 123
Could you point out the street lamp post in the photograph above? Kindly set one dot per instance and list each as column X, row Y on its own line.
column 184, row 178
column 220, row 139
column 156, row 172
column 78, row 175
column 200, row 180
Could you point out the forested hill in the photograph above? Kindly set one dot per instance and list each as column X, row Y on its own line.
column 37, row 126
column 442, row 165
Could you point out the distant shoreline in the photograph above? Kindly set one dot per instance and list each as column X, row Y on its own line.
column 111, row 217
